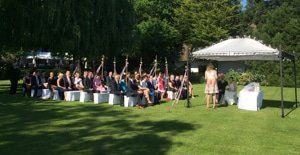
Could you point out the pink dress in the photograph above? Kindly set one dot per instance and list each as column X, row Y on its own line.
column 161, row 85
column 211, row 89
column 98, row 85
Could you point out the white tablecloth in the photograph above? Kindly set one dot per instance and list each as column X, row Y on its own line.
column 250, row 100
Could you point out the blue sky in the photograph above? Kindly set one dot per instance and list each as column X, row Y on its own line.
column 244, row 3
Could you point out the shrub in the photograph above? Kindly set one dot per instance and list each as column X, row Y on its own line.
column 233, row 74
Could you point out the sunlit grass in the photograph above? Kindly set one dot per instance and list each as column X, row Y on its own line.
column 34, row 126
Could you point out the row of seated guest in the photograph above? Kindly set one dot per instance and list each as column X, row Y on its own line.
column 145, row 86
column 62, row 83
column 33, row 81
column 174, row 85
column 87, row 83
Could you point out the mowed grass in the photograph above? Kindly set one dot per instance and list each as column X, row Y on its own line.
column 34, row 126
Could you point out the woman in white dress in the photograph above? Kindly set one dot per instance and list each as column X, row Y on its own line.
column 211, row 87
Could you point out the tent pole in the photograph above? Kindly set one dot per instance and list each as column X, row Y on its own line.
column 295, row 76
column 281, row 85
column 189, row 105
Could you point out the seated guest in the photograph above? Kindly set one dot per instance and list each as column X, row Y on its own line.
column 161, row 84
column 153, row 81
column 91, row 77
column 171, row 84
column 231, row 85
column 115, row 85
column 98, row 86
column 87, row 82
column 152, row 85
column 78, row 82
column 69, row 81
column 230, row 95
column 26, row 85
column 132, row 86
column 123, row 84
column 44, row 80
column 36, row 83
column 52, row 82
column 222, row 83
column 109, row 79
column 137, row 77
column 177, row 82
column 61, row 86
column 143, row 88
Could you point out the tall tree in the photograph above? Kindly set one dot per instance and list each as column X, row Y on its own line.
column 155, row 30
column 203, row 22
column 278, row 25
column 86, row 28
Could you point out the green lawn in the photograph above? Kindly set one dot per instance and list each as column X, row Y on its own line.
column 33, row 126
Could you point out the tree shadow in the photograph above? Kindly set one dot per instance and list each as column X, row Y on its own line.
column 30, row 127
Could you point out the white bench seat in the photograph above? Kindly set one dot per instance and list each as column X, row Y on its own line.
column 130, row 101
column 115, row 99
column 72, row 95
column 85, row 96
column 100, row 97
column 46, row 94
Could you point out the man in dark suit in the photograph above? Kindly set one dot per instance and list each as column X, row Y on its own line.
column 222, row 83
column 109, row 79
column 115, row 85
column 14, row 78
column 69, row 81
column 87, row 82
column 132, row 87
column 36, row 82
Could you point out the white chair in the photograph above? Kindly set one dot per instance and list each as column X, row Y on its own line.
column 101, row 97
column 55, row 95
column 46, row 94
column 39, row 92
column 115, row 99
column 85, row 96
column 72, row 95
column 171, row 95
column 130, row 101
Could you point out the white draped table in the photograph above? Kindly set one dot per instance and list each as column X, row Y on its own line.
column 250, row 100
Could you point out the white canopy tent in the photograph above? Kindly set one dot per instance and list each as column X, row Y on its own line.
column 237, row 49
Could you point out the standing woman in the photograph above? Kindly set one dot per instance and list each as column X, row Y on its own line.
column 211, row 87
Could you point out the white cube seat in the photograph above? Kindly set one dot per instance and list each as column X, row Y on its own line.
column 55, row 95
column 130, row 101
column 171, row 95
column 115, row 99
column 72, row 95
column 39, row 92
column 100, row 97
column 85, row 96
column 46, row 94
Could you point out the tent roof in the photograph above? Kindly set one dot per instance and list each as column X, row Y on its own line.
column 40, row 55
column 236, row 49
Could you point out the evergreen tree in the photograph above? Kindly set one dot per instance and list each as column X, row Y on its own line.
column 277, row 23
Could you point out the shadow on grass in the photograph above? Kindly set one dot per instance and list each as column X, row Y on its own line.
column 289, row 106
column 277, row 104
column 31, row 127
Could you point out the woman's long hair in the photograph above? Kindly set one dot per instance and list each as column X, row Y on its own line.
column 209, row 67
